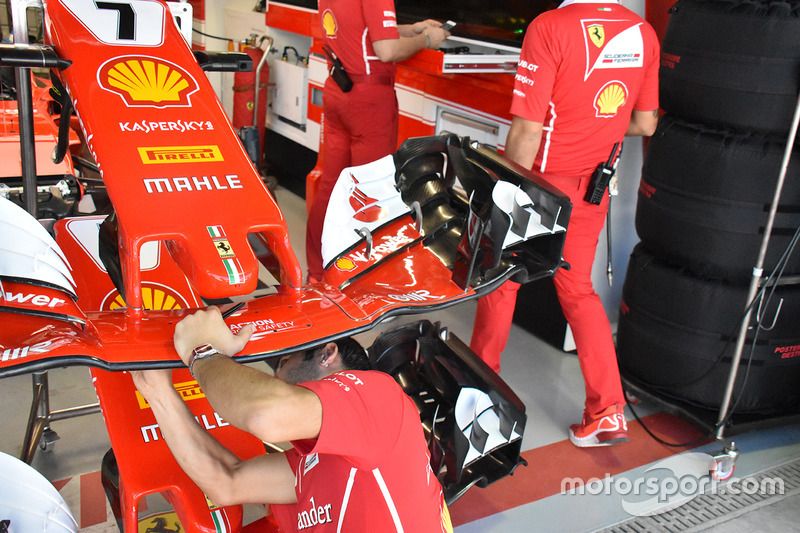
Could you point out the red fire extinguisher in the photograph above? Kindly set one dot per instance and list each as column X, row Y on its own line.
column 245, row 99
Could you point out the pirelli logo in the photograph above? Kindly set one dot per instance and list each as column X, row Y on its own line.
column 188, row 390
column 179, row 154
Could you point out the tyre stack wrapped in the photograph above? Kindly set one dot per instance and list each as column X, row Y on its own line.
column 729, row 83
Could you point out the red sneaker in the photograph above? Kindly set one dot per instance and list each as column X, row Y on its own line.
column 606, row 428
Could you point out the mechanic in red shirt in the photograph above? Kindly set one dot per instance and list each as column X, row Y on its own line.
column 359, row 460
column 586, row 78
column 360, row 125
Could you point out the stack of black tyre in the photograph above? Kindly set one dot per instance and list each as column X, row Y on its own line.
column 729, row 78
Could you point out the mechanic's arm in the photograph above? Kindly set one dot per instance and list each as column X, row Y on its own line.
column 220, row 474
column 410, row 30
column 522, row 143
column 413, row 38
column 249, row 399
column 643, row 123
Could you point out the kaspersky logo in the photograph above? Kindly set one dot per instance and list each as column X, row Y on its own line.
column 179, row 154
column 610, row 98
column 143, row 81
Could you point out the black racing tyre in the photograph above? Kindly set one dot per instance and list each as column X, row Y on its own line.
column 677, row 334
column 733, row 63
column 705, row 196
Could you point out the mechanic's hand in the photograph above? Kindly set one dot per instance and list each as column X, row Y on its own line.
column 423, row 25
column 152, row 382
column 208, row 327
column 437, row 36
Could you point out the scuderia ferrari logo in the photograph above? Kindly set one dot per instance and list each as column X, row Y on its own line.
column 596, row 34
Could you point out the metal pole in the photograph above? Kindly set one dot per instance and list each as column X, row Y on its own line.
column 258, row 78
column 26, row 146
column 36, row 421
column 40, row 414
column 758, row 271
column 19, row 22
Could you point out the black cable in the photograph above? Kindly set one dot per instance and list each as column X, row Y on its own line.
column 704, row 374
column 780, row 265
column 297, row 56
column 777, row 273
column 662, row 441
column 212, row 36
column 728, row 341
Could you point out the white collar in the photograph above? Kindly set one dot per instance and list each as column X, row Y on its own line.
column 565, row 3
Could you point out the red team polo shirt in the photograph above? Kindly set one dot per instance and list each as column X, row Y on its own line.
column 580, row 75
column 350, row 26
column 369, row 469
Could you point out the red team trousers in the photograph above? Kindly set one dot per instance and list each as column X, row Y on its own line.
column 359, row 127
column 580, row 303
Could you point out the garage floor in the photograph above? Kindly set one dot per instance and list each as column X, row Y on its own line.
column 642, row 485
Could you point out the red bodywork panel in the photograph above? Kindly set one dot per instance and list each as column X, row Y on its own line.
column 188, row 203
column 136, row 437
column 186, row 197
column 173, row 166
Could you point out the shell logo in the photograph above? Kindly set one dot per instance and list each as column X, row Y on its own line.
column 345, row 263
column 329, row 23
column 610, row 98
column 143, row 81
column 154, row 297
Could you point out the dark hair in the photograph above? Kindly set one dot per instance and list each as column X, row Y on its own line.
column 351, row 353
